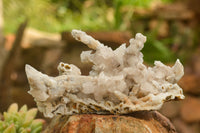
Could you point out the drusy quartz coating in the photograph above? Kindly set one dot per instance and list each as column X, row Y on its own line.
column 119, row 82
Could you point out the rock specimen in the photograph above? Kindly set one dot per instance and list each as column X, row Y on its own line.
column 138, row 122
column 119, row 82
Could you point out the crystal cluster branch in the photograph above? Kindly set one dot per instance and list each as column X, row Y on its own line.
column 119, row 82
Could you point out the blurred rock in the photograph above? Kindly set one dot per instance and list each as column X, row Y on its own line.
column 51, row 60
column 183, row 127
column 162, row 27
column 15, row 95
column 177, row 10
column 112, row 39
column 34, row 37
column 140, row 122
column 190, row 109
column 170, row 109
column 194, row 62
column 173, row 11
column 194, row 5
column 190, row 83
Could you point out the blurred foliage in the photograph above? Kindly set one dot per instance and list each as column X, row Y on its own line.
column 21, row 121
column 39, row 12
column 156, row 49
column 62, row 15
column 104, row 15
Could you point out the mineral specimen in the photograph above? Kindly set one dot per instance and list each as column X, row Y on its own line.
column 119, row 82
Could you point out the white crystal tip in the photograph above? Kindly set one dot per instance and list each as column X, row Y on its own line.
column 30, row 71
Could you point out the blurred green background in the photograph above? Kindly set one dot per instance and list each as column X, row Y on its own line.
column 62, row 15
column 104, row 15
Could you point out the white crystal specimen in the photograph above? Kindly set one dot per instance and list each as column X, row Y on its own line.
column 119, row 82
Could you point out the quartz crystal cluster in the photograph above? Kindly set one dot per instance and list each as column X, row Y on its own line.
column 119, row 82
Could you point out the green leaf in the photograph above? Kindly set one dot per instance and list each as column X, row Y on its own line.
column 13, row 108
column 30, row 115
column 10, row 129
column 36, row 123
column 23, row 108
column 37, row 129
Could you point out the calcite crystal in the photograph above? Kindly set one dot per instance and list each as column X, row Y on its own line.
column 119, row 82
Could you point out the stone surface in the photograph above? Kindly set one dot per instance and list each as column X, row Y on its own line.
column 171, row 109
column 190, row 109
column 33, row 37
column 119, row 82
column 183, row 127
column 140, row 122
column 190, row 83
